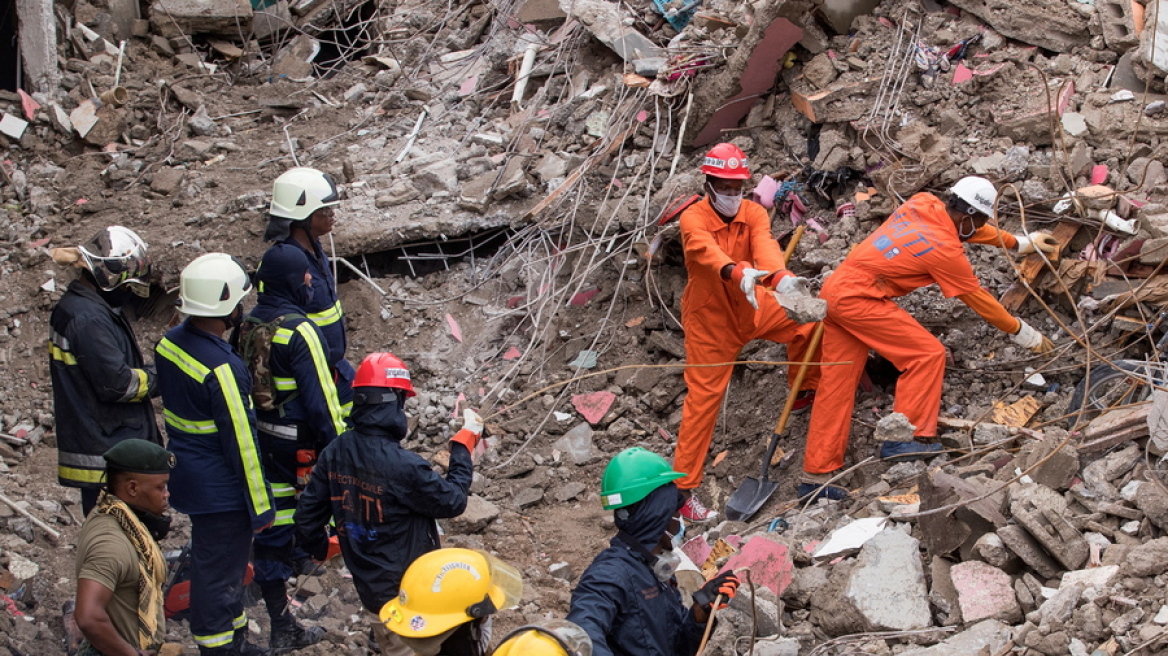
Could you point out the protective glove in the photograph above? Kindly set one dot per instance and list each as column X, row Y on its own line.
column 1029, row 338
column 725, row 584
column 747, row 279
column 1036, row 241
column 317, row 544
column 794, row 286
column 472, row 430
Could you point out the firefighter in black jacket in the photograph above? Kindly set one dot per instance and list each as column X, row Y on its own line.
column 101, row 384
column 384, row 498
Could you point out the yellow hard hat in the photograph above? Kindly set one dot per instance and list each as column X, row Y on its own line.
column 448, row 587
column 552, row 638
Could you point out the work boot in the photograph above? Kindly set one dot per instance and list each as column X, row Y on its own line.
column 695, row 511
column 242, row 647
column 817, row 491
column 307, row 567
column 293, row 636
column 803, row 401
column 907, row 451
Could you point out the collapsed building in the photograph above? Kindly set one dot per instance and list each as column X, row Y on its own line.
column 510, row 171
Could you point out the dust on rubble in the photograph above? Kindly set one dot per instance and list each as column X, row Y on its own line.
column 1043, row 537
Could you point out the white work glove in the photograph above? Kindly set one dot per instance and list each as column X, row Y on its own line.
column 1036, row 241
column 747, row 279
column 793, row 286
column 472, row 422
column 472, row 430
column 1029, row 338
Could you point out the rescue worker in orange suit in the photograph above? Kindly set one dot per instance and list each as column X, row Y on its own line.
column 729, row 252
column 920, row 244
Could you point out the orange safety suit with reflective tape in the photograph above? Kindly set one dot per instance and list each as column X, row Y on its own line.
column 917, row 246
column 719, row 321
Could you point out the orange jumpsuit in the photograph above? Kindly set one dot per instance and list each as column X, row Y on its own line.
column 718, row 320
column 917, row 246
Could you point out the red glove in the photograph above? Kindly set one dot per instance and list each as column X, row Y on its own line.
column 738, row 270
column 725, row 584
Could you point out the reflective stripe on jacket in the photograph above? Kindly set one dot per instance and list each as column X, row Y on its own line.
column 101, row 387
column 210, row 423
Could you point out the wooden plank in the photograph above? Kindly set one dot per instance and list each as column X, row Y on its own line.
column 1033, row 266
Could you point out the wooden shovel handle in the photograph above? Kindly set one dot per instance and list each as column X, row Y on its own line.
column 795, row 237
column 797, row 385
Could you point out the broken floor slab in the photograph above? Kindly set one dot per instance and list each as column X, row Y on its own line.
column 989, row 636
column 1048, row 24
column 172, row 18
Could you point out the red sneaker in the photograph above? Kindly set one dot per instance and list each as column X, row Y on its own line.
column 803, row 401
column 695, row 511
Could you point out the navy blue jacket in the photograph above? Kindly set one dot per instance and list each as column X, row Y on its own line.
column 384, row 500
column 325, row 311
column 620, row 603
column 101, row 386
column 210, row 423
column 299, row 360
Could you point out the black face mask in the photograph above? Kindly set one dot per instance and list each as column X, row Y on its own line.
column 116, row 297
column 158, row 525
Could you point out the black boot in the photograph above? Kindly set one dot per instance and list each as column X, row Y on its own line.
column 287, row 633
column 244, row 648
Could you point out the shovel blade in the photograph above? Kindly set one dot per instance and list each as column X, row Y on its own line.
column 748, row 498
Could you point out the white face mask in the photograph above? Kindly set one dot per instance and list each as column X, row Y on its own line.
column 725, row 204
column 666, row 565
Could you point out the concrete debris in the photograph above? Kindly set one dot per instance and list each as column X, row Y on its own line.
column 988, row 636
column 887, row 587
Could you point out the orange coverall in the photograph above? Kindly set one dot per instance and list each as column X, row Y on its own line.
column 718, row 320
column 917, row 246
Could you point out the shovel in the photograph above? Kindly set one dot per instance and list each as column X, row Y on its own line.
column 754, row 492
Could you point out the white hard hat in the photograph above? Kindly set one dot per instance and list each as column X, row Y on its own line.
column 301, row 191
column 212, row 285
column 978, row 192
column 116, row 256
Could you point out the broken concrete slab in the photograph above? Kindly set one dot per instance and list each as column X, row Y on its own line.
column 887, row 587
column 576, row 444
column 478, row 515
column 1148, row 559
column 1059, row 468
column 37, row 36
column 1042, row 512
column 1031, row 124
column 1120, row 31
column 985, row 592
column 1048, row 24
column 989, row 636
column 295, row 59
column 1099, row 578
column 172, row 18
column 723, row 99
column 606, row 22
column 769, row 561
column 1018, row 540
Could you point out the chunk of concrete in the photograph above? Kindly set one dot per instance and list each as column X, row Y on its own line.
column 606, row 22
column 1148, row 559
column 1025, row 547
column 171, row 18
column 439, row 176
column 576, row 444
column 984, row 637
column 887, row 586
column 1048, row 24
column 478, row 515
column 985, row 593
column 1099, row 578
column 991, row 549
column 1041, row 511
column 167, row 180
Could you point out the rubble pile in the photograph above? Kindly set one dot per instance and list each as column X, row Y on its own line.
column 509, row 172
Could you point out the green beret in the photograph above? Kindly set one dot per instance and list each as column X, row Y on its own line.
column 139, row 457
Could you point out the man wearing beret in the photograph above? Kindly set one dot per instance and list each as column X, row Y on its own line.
column 120, row 569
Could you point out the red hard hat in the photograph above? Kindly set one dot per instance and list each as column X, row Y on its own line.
column 727, row 161
column 384, row 370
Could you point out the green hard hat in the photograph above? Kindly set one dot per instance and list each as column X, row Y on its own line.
column 632, row 475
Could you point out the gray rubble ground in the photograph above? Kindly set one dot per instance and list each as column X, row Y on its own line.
column 1068, row 559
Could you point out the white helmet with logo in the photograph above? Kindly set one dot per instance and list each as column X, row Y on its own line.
column 212, row 285
column 301, row 191
column 979, row 193
column 116, row 256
